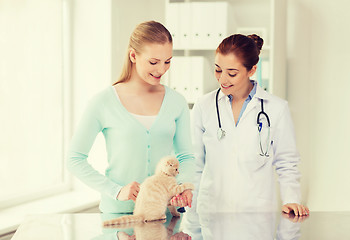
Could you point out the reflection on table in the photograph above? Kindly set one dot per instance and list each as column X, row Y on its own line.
column 158, row 230
column 246, row 226
column 216, row 226
column 263, row 226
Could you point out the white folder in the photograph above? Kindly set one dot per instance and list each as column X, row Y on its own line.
column 210, row 24
column 185, row 25
column 197, row 21
column 172, row 23
column 197, row 78
column 179, row 75
column 221, row 25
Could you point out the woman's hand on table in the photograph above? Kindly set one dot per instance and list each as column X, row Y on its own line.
column 298, row 209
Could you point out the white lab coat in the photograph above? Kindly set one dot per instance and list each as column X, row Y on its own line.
column 231, row 174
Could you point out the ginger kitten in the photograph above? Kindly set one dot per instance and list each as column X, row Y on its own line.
column 155, row 194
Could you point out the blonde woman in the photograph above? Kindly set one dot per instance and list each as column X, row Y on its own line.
column 141, row 120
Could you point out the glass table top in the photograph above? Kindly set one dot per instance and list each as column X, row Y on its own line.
column 263, row 226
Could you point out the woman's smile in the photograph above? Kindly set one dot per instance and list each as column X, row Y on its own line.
column 156, row 77
column 226, row 86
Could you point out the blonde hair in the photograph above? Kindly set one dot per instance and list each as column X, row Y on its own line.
column 146, row 32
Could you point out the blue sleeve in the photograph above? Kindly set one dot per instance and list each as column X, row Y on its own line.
column 81, row 143
column 183, row 145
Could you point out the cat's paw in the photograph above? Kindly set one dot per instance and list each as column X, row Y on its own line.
column 123, row 235
column 174, row 211
column 176, row 214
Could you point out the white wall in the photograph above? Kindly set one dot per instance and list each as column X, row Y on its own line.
column 318, row 78
column 91, row 63
column 30, row 98
column 91, row 46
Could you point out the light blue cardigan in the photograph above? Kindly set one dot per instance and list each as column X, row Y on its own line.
column 133, row 151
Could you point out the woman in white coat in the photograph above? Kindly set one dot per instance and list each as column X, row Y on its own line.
column 236, row 150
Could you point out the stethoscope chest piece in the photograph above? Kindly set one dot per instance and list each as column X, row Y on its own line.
column 221, row 133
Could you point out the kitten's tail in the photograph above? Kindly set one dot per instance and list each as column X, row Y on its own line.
column 124, row 220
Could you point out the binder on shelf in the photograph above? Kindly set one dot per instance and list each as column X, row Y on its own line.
column 180, row 75
column 203, row 25
column 172, row 14
column 265, row 68
column 265, row 73
column 199, row 25
column 184, row 21
column 222, row 22
column 257, row 74
column 186, row 77
column 174, row 76
column 197, row 22
column 199, row 78
column 191, row 76
column 262, row 73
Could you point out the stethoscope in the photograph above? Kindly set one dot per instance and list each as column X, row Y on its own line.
column 221, row 132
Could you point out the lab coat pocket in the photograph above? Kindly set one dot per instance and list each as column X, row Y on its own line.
column 261, row 161
column 265, row 149
column 254, row 163
column 264, row 156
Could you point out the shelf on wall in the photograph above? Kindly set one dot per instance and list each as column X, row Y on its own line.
column 234, row 17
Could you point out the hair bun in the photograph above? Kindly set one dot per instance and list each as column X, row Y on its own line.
column 258, row 40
